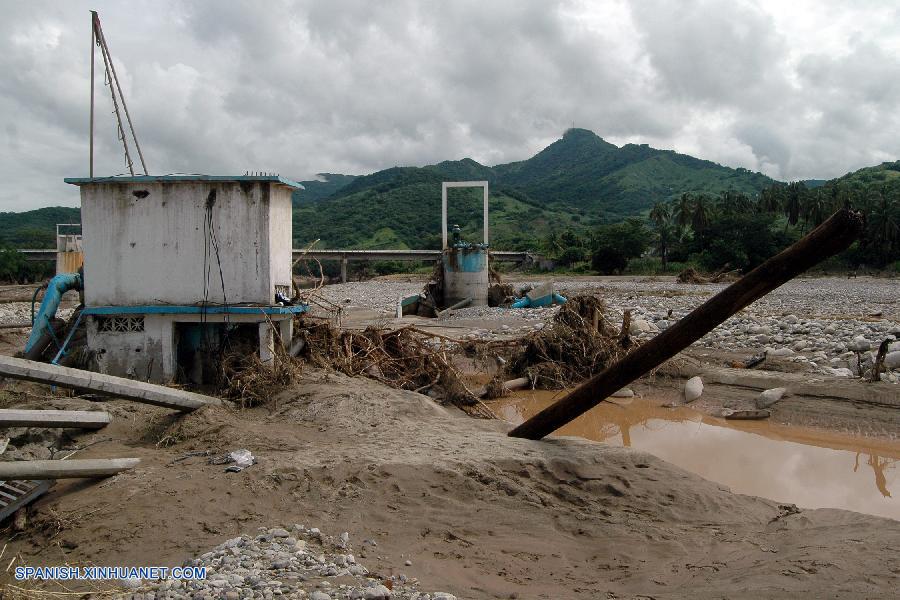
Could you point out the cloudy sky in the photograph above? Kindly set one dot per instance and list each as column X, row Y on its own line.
column 800, row 89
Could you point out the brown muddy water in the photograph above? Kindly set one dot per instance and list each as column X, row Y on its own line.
column 802, row 466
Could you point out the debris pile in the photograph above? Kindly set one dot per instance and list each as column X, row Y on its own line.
column 691, row 275
column 406, row 358
column 246, row 380
column 576, row 346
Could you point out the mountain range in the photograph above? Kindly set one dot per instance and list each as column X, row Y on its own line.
column 580, row 180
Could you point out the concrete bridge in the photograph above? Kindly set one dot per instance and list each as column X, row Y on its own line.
column 345, row 256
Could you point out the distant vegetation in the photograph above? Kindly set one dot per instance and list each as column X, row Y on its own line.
column 590, row 206
column 579, row 181
column 35, row 228
column 736, row 231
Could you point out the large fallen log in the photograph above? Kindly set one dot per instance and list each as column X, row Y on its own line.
column 108, row 385
column 829, row 238
column 82, row 419
column 65, row 469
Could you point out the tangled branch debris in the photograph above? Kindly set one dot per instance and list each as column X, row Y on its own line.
column 245, row 379
column 579, row 344
column 691, row 275
column 406, row 358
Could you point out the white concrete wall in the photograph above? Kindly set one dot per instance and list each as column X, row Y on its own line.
column 150, row 250
column 151, row 355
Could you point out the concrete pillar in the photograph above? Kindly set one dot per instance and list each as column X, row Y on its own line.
column 266, row 344
column 344, row 269
column 286, row 331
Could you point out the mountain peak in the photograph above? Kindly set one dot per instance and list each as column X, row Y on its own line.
column 576, row 134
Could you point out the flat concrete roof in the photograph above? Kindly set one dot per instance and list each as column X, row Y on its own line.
column 160, row 178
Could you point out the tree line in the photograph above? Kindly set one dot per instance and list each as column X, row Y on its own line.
column 737, row 231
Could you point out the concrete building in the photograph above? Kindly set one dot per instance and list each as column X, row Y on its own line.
column 175, row 266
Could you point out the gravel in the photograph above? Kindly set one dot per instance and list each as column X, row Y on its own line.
column 829, row 325
column 281, row 562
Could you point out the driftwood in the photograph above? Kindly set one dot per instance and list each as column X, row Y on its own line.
column 831, row 237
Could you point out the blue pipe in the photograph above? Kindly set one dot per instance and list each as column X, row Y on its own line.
column 547, row 300
column 58, row 286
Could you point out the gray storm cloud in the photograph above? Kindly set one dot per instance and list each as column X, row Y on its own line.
column 305, row 87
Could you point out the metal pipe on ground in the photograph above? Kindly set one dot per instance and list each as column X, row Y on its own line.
column 461, row 304
column 831, row 237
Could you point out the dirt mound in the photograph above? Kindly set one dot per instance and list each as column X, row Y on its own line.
column 475, row 512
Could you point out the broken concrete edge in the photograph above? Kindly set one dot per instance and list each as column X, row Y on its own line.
column 118, row 387
column 815, row 386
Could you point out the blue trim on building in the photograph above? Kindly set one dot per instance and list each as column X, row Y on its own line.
column 169, row 178
column 177, row 309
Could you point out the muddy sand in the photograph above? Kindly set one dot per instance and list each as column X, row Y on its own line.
column 479, row 514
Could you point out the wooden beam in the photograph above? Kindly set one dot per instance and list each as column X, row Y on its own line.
column 83, row 419
column 829, row 238
column 107, row 385
column 65, row 469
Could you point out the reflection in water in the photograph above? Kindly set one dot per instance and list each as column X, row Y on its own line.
column 807, row 467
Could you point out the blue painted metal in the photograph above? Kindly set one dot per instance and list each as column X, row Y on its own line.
column 547, row 300
column 169, row 178
column 177, row 309
column 58, row 286
column 466, row 260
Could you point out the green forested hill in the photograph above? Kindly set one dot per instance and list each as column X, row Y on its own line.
column 578, row 180
column 319, row 189
column 35, row 228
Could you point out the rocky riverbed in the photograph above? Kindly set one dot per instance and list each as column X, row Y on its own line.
column 828, row 325
column 294, row 562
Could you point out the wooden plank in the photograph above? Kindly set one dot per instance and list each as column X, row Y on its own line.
column 829, row 238
column 108, row 385
column 65, row 469
column 83, row 419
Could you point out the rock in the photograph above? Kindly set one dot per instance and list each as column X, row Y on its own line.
column 317, row 595
column 623, row 393
column 860, row 344
column 233, row 542
column 769, row 397
column 791, row 319
column 639, row 326
column 840, row 372
column 378, row 592
column 892, row 360
column 132, row 583
column 782, row 352
column 279, row 532
column 442, row 596
column 693, row 388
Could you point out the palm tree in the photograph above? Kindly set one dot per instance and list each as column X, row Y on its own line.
column 793, row 201
column 684, row 210
column 700, row 217
column 666, row 235
column 660, row 213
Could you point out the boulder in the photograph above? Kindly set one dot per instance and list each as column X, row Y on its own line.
column 892, row 360
column 693, row 388
column 769, row 397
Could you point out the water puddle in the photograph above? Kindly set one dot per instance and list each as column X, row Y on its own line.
column 806, row 467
